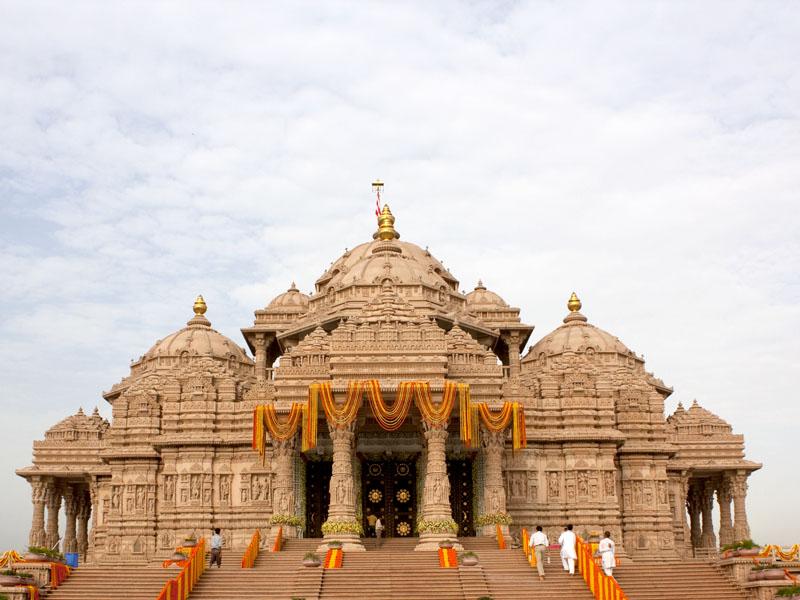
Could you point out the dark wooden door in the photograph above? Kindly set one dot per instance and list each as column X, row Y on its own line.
column 318, row 496
column 390, row 492
column 460, row 474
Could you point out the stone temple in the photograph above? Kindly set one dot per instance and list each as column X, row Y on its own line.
column 177, row 457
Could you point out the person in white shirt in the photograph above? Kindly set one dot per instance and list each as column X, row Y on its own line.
column 539, row 544
column 607, row 551
column 568, row 553
column 216, row 549
column 379, row 530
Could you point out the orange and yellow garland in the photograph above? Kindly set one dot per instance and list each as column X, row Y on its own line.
column 792, row 554
column 390, row 418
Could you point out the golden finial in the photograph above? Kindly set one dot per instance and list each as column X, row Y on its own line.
column 574, row 304
column 386, row 229
column 200, row 306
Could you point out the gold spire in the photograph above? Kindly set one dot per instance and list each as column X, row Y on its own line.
column 200, row 307
column 574, row 304
column 386, row 229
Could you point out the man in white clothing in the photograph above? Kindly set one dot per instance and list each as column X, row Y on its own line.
column 539, row 544
column 216, row 549
column 607, row 551
column 568, row 553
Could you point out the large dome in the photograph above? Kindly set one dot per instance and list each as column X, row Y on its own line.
column 576, row 335
column 197, row 339
column 386, row 257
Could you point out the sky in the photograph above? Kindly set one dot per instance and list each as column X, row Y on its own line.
column 643, row 154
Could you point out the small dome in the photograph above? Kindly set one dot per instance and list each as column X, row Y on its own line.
column 291, row 298
column 481, row 298
column 576, row 335
column 197, row 338
column 79, row 423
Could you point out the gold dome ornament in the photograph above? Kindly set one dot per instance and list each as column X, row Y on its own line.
column 574, row 303
column 386, row 230
column 200, row 307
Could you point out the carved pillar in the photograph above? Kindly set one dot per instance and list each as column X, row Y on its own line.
column 724, row 501
column 682, row 504
column 741, row 530
column 38, row 499
column 494, row 493
column 53, row 506
column 71, row 510
column 84, row 511
column 283, row 454
column 708, row 539
column 260, row 344
column 693, row 506
column 436, row 491
column 512, row 342
column 342, row 509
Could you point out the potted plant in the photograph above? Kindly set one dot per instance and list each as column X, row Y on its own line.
column 13, row 578
column 469, row 559
column 766, row 572
column 445, row 544
column 790, row 592
column 311, row 559
column 334, row 544
column 190, row 541
column 740, row 548
column 40, row 554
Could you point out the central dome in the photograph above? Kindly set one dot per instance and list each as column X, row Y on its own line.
column 386, row 257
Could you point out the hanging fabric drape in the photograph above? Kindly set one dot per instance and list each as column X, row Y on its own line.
column 519, row 437
column 259, row 436
column 468, row 417
column 391, row 418
column 435, row 416
column 341, row 416
column 310, row 416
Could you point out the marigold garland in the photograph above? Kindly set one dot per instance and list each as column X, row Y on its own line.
column 466, row 414
column 341, row 416
column 496, row 422
column 281, row 431
column 519, row 437
column 310, row 416
column 435, row 416
column 391, row 418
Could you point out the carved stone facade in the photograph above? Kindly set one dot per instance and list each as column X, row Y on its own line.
column 176, row 458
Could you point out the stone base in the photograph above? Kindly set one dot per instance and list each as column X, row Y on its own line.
column 430, row 541
column 288, row 532
column 350, row 542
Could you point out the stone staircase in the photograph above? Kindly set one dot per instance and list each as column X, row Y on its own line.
column 276, row 575
column 685, row 580
column 509, row 576
column 108, row 583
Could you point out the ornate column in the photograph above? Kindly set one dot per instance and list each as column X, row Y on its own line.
column 494, row 492
column 84, row 511
column 53, row 506
column 260, row 343
column 71, row 510
column 342, row 525
column 512, row 342
column 38, row 499
column 741, row 530
column 724, row 501
column 693, row 506
column 436, row 509
column 708, row 539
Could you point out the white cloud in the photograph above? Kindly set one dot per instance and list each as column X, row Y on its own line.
column 643, row 154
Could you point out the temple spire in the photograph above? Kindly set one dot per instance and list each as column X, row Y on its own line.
column 574, row 303
column 200, row 307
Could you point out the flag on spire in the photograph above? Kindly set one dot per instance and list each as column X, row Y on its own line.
column 377, row 185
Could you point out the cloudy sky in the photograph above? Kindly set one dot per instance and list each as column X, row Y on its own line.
column 644, row 154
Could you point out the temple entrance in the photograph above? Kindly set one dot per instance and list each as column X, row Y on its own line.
column 318, row 496
column 390, row 492
column 460, row 474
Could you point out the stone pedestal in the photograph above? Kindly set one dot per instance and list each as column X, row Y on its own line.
column 436, row 493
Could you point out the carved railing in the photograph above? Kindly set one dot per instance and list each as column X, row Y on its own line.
column 179, row 587
column 250, row 555
column 601, row 585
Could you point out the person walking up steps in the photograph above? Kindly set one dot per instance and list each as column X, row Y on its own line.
column 539, row 543
column 379, row 531
column 216, row 549
column 568, row 553
column 607, row 551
